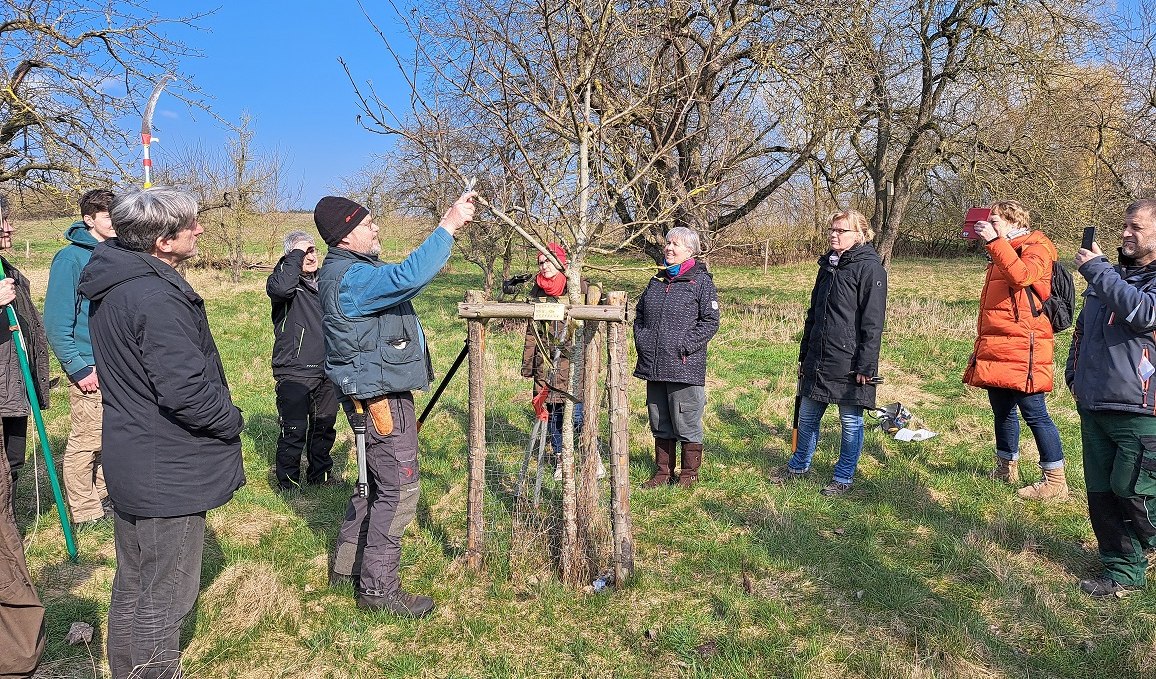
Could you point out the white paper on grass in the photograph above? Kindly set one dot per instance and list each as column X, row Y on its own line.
column 914, row 435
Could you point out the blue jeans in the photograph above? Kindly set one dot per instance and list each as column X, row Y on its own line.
column 554, row 423
column 1034, row 408
column 851, row 420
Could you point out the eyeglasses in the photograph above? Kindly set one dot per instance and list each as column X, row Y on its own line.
column 310, row 250
column 840, row 232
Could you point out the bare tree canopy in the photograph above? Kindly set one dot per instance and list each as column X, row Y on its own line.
column 71, row 71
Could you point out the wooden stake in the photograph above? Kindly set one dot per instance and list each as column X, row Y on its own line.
column 476, row 483
column 623, row 554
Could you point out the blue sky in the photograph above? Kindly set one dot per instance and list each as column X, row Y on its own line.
column 280, row 64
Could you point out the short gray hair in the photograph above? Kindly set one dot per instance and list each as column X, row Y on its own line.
column 141, row 217
column 688, row 237
column 1145, row 205
column 294, row 237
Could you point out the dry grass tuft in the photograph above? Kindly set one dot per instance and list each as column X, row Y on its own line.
column 244, row 596
column 258, row 523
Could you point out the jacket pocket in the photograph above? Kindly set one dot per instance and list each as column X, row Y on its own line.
column 399, row 350
column 1146, row 478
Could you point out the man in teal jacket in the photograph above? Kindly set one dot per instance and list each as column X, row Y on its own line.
column 66, row 324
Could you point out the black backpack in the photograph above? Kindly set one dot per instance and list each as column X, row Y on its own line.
column 1060, row 306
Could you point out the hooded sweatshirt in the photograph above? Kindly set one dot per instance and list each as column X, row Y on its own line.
column 66, row 313
column 172, row 442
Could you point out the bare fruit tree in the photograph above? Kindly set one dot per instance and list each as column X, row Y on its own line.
column 918, row 74
column 71, row 70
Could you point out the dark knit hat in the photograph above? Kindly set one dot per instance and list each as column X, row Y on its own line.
column 336, row 217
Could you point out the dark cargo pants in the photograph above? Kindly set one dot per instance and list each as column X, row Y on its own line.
column 307, row 408
column 370, row 539
column 1120, row 473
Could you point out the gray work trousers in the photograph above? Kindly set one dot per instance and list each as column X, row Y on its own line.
column 369, row 544
column 158, row 578
column 676, row 410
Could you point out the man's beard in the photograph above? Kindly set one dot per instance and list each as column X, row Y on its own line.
column 374, row 249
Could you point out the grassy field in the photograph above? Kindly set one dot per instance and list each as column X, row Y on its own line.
column 926, row 569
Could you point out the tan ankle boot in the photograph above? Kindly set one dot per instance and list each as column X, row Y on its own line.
column 1007, row 471
column 1054, row 485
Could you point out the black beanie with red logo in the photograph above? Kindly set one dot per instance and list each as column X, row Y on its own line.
column 335, row 217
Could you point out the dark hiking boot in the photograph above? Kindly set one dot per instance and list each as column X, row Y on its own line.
column 785, row 474
column 691, row 461
column 108, row 507
column 664, row 461
column 399, row 603
column 337, row 580
column 1104, row 587
column 834, row 488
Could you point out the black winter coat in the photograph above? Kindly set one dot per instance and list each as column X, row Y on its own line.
column 298, row 339
column 844, row 328
column 172, row 436
column 673, row 321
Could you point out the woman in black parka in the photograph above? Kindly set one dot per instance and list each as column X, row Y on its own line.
column 839, row 353
column 674, row 320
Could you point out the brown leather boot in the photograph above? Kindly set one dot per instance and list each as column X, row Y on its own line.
column 1007, row 471
column 1054, row 486
column 691, row 461
column 664, row 461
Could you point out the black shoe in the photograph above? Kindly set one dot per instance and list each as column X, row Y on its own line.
column 108, row 507
column 399, row 603
column 327, row 482
column 1105, row 586
column 339, row 579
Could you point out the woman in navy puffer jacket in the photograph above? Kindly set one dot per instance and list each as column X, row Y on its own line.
column 674, row 320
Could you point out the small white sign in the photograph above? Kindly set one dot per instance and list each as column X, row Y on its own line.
column 547, row 311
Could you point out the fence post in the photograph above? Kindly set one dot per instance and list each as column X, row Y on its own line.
column 623, row 554
column 475, row 488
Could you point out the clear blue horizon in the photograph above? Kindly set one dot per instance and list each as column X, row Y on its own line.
column 281, row 67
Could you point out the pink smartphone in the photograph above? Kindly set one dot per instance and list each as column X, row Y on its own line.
column 975, row 214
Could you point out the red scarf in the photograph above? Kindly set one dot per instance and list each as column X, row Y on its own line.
column 552, row 286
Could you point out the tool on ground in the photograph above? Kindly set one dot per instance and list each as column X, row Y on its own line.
column 445, row 382
column 892, row 417
column 34, row 406
column 357, row 422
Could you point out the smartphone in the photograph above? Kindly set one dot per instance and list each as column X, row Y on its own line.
column 975, row 214
column 1089, row 237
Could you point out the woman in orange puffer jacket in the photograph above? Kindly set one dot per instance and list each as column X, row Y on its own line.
column 1012, row 359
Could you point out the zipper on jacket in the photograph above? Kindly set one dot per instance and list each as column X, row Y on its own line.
column 1143, row 381
column 1031, row 359
column 300, row 341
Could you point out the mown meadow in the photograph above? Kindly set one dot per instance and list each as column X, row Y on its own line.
column 926, row 569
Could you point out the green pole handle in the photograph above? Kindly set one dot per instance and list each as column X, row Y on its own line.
column 34, row 406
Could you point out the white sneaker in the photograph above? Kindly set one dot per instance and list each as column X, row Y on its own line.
column 558, row 473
